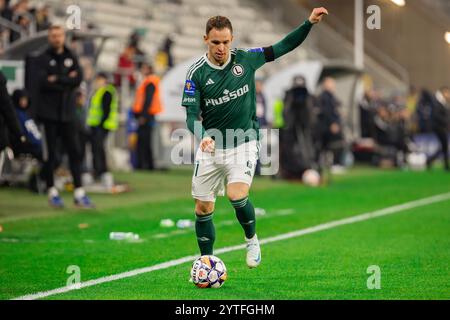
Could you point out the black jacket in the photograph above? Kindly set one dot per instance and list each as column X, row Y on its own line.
column 329, row 113
column 9, row 125
column 439, row 116
column 56, row 100
column 297, row 108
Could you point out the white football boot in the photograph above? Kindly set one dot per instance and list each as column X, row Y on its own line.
column 253, row 252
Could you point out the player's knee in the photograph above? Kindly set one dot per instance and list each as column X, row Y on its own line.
column 203, row 207
column 237, row 193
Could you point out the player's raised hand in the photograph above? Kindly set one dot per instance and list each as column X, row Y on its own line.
column 207, row 145
column 317, row 14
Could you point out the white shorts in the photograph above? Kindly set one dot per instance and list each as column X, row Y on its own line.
column 212, row 169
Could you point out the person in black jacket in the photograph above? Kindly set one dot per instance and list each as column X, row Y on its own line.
column 102, row 119
column 146, row 121
column 9, row 124
column 440, row 123
column 58, row 77
column 329, row 121
column 424, row 110
column 33, row 145
column 296, row 142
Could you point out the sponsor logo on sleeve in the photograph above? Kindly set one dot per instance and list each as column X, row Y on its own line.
column 189, row 100
column 189, row 88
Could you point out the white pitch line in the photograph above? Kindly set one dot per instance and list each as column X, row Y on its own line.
column 289, row 235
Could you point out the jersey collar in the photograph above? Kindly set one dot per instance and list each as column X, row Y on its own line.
column 212, row 65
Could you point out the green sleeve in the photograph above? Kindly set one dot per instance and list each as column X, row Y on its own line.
column 192, row 113
column 256, row 57
column 191, row 100
column 292, row 40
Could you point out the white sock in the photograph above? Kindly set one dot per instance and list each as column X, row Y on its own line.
column 53, row 192
column 79, row 193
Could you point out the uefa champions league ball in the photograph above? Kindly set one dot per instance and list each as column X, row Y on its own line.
column 208, row 272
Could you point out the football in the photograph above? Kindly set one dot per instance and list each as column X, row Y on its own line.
column 208, row 272
column 311, row 178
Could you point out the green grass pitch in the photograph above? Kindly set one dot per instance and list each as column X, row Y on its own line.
column 411, row 247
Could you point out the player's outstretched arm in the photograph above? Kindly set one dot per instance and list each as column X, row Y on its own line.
column 297, row 36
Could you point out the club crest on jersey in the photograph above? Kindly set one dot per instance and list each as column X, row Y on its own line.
column 237, row 70
column 189, row 88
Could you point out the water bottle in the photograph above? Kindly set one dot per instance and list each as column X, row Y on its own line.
column 167, row 223
column 185, row 223
column 123, row 236
column 260, row 212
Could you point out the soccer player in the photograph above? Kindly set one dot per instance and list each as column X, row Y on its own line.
column 220, row 86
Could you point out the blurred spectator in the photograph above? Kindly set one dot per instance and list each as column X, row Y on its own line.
column 126, row 67
column 261, row 114
column 164, row 57
column 89, row 44
column 9, row 125
column 33, row 145
column 440, row 124
column 21, row 7
column 261, row 106
column 411, row 110
column 390, row 134
column 135, row 42
column 401, row 116
column 384, row 131
column 5, row 10
column 424, row 108
column 5, row 13
column 42, row 17
column 102, row 118
column 59, row 76
column 297, row 152
column 367, row 109
column 278, row 107
column 167, row 48
column 88, row 73
column 23, row 22
column 23, row 16
column 82, row 128
column 412, row 99
column 75, row 45
column 147, row 104
column 131, row 129
column 329, row 123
